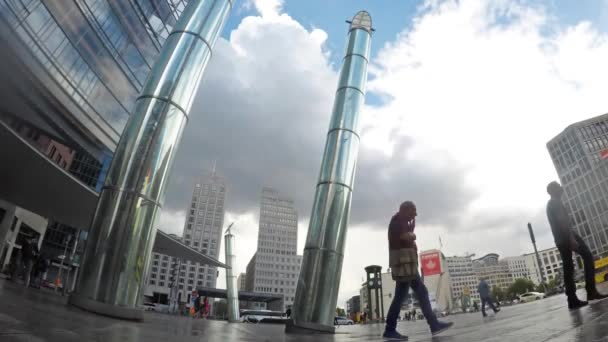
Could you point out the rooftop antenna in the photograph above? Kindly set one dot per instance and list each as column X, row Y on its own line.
column 213, row 168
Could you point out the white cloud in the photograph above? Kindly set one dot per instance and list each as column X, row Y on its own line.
column 267, row 8
column 481, row 80
column 488, row 83
column 171, row 222
column 476, row 89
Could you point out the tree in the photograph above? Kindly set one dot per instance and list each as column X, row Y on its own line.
column 498, row 293
column 520, row 286
column 340, row 312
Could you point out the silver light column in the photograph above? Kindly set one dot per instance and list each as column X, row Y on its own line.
column 317, row 291
column 231, row 287
column 122, row 231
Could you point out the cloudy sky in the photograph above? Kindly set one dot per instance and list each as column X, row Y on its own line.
column 462, row 97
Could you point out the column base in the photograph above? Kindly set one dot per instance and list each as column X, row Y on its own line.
column 115, row 311
column 308, row 328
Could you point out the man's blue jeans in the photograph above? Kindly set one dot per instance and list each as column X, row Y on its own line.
column 422, row 294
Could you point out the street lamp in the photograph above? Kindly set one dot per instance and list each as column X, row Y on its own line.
column 540, row 268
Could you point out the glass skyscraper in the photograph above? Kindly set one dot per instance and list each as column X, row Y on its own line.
column 94, row 57
column 75, row 68
column 202, row 232
column 580, row 156
column 275, row 266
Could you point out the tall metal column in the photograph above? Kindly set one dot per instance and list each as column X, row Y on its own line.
column 231, row 287
column 540, row 266
column 122, row 231
column 317, row 291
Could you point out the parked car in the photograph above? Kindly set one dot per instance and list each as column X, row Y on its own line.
column 263, row 316
column 531, row 296
column 339, row 320
column 149, row 306
column 156, row 307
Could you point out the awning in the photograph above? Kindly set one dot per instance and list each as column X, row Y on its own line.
column 165, row 244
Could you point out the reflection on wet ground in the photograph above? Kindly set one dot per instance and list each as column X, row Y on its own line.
column 34, row 315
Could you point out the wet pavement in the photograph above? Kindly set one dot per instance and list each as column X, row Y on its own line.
column 35, row 315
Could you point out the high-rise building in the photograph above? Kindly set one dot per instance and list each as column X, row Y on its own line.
column 72, row 71
column 463, row 279
column 241, row 282
column 495, row 272
column 524, row 266
column 551, row 261
column 579, row 155
column 275, row 266
column 202, row 231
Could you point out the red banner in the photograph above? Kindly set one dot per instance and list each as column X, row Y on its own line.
column 431, row 263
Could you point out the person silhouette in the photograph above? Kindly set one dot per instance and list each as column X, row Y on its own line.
column 567, row 241
column 403, row 261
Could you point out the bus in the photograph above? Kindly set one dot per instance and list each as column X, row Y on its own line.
column 601, row 270
column 263, row 316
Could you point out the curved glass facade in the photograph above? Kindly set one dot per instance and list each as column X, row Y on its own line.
column 99, row 53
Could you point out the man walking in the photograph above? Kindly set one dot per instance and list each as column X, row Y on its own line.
column 403, row 262
column 567, row 241
column 29, row 252
column 486, row 297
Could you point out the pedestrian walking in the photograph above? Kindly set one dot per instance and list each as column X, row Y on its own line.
column 206, row 307
column 567, row 241
column 403, row 260
column 29, row 253
column 40, row 269
column 475, row 307
column 486, row 297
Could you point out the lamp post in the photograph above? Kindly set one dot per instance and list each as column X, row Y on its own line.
column 540, row 268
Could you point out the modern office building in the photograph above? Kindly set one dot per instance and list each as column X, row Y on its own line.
column 83, row 64
column 241, row 282
column 202, row 231
column 579, row 155
column 552, row 264
column 495, row 272
column 73, row 71
column 524, row 266
column 463, row 279
column 275, row 266
column 353, row 307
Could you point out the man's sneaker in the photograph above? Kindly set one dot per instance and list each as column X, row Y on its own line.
column 596, row 296
column 576, row 304
column 394, row 336
column 441, row 327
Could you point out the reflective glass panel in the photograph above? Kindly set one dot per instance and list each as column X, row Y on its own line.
column 359, row 43
column 354, row 73
column 347, row 107
column 340, row 158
